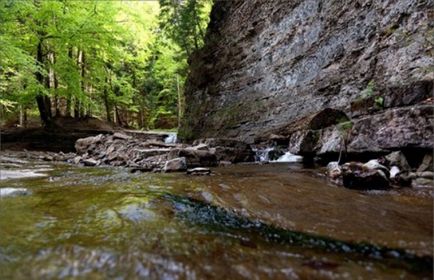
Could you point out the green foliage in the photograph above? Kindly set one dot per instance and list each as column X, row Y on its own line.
column 369, row 90
column 379, row 102
column 344, row 127
column 119, row 60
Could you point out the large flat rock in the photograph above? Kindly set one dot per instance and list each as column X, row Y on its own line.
column 296, row 200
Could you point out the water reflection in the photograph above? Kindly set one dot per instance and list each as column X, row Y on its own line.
column 107, row 223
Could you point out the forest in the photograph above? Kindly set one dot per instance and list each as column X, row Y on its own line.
column 120, row 61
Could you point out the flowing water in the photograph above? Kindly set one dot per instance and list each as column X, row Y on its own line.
column 171, row 138
column 244, row 222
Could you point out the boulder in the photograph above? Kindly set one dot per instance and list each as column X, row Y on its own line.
column 393, row 129
column 76, row 160
column 358, row 176
column 176, row 164
column 375, row 164
column 427, row 163
column 227, row 149
column 389, row 129
column 90, row 162
column 397, row 159
column 193, row 157
column 83, row 144
column 334, row 170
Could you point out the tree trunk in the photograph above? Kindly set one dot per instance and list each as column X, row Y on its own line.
column 140, row 121
column 56, row 87
column 118, row 117
column 21, row 116
column 68, row 107
column 82, row 61
column 77, row 108
column 25, row 117
column 106, row 99
column 69, row 97
column 43, row 101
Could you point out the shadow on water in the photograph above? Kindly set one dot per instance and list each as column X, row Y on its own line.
column 218, row 219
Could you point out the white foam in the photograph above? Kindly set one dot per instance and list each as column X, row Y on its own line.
column 288, row 157
column 13, row 191
column 17, row 174
column 171, row 139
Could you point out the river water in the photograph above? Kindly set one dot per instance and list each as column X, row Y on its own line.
column 274, row 221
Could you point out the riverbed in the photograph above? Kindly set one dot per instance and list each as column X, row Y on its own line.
column 273, row 221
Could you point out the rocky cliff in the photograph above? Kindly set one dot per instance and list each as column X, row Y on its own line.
column 316, row 74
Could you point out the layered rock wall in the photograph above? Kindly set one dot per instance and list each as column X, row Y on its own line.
column 268, row 66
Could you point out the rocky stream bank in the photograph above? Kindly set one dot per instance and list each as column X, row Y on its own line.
column 154, row 154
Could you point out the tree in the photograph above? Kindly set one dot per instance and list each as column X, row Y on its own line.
column 123, row 61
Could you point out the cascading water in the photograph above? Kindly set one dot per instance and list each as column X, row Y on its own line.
column 288, row 157
column 171, row 138
column 269, row 154
column 262, row 155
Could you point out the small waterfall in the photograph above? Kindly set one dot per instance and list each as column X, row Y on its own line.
column 262, row 155
column 171, row 138
column 271, row 154
column 288, row 157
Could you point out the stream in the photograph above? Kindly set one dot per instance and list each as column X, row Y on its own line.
column 248, row 221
